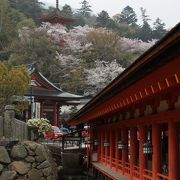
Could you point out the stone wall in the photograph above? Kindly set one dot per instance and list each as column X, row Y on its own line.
column 27, row 161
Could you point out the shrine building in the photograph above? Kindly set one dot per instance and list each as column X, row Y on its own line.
column 45, row 98
column 134, row 122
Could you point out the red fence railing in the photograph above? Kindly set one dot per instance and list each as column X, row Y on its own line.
column 162, row 177
column 127, row 168
column 120, row 165
column 147, row 174
column 136, row 174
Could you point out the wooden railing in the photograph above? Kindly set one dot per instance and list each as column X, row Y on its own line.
column 103, row 159
column 127, row 168
column 108, row 160
column 113, row 163
column 120, row 165
column 136, row 173
column 162, row 177
column 147, row 175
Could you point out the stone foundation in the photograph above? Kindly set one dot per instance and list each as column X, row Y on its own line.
column 27, row 161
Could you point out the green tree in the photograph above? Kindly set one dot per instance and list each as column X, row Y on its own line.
column 116, row 18
column 67, row 10
column 159, row 29
column 103, row 20
column 29, row 23
column 145, row 33
column 124, row 30
column 106, row 46
column 13, row 82
column 34, row 47
column 9, row 18
column 85, row 9
column 30, row 8
column 128, row 16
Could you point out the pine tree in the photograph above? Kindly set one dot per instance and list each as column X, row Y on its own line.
column 85, row 9
column 159, row 29
column 146, row 30
column 128, row 16
column 102, row 19
column 67, row 10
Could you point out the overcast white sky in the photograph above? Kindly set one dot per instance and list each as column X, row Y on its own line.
column 167, row 10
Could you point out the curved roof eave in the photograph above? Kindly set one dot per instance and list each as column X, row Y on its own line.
column 170, row 37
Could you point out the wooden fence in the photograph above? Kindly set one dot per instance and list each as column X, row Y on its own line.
column 11, row 128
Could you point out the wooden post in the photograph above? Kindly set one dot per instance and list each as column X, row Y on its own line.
column 125, row 151
column 111, row 146
column 102, row 144
column 156, row 157
column 116, row 147
column 142, row 157
column 133, row 157
column 172, row 151
column 99, row 145
column 106, row 148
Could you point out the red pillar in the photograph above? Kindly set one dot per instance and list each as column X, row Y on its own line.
column 172, row 151
column 102, row 144
column 111, row 147
column 133, row 157
column 55, row 114
column 125, row 151
column 99, row 145
column 106, row 148
column 116, row 147
column 156, row 157
column 142, row 157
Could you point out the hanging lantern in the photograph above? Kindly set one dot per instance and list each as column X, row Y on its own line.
column 121, row 144
column 106, row 143
column 96, row 142
column 148, row 148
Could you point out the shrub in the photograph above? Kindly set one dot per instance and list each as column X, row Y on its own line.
column 39, row 126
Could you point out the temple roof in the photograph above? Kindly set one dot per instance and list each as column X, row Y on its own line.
column 57, row 18
column 43, row 88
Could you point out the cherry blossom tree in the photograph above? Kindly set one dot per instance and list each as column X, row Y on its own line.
column 70, row 64
column 136, row 45
column 101, row 75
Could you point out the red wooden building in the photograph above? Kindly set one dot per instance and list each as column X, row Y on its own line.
column 135, row 121
column 46, row 99
column 56, row 17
